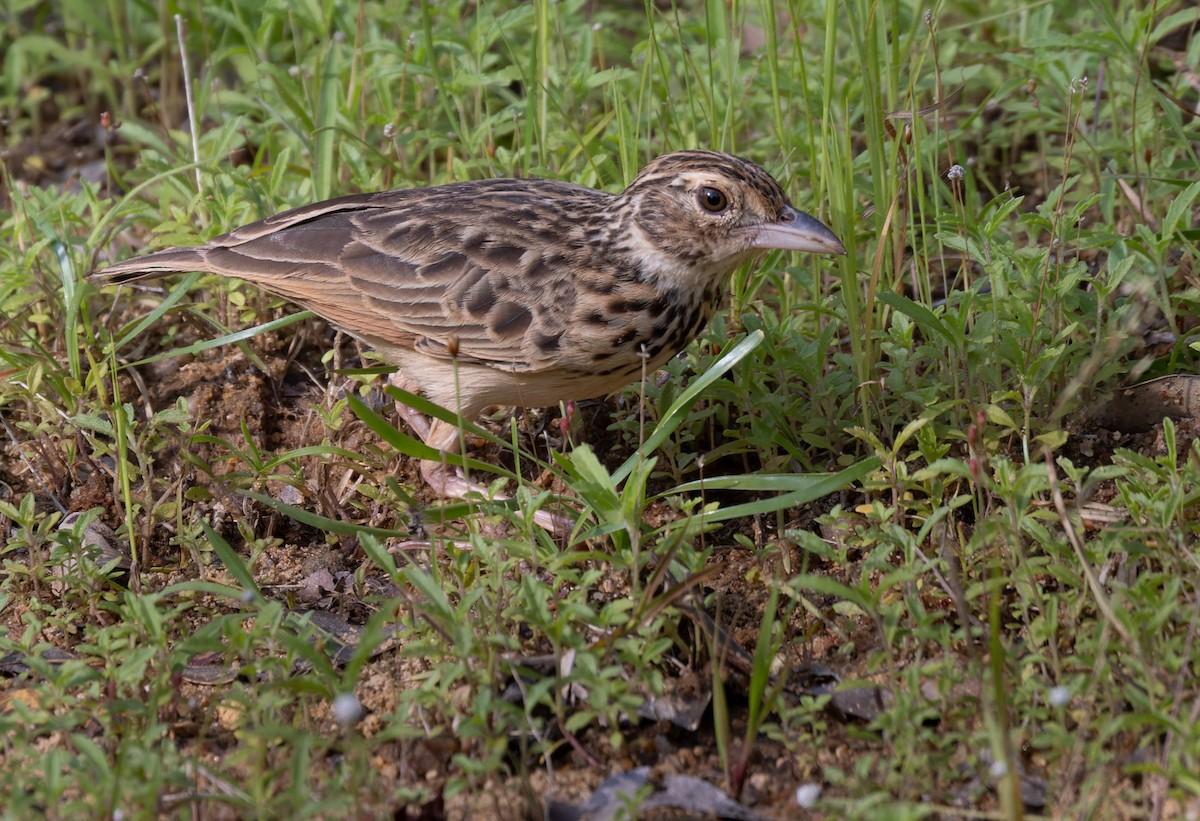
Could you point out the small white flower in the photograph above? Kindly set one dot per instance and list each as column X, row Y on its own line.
column 1059, row 696
column 956, row 172
column 347, row 709
column 389, row 130
column 999, row 769
column 294, row 71
column 808, row 794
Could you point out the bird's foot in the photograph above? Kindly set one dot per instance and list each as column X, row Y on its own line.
column 421, row 424
column 446, row 481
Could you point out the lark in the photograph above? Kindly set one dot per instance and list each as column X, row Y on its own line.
column 516, row 292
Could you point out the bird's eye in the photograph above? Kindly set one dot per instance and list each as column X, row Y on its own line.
column 712, row 200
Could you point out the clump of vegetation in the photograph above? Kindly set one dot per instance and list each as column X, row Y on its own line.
column 901, row 531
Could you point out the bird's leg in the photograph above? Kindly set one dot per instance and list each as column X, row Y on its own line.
column 446, row 480
column 419, row 422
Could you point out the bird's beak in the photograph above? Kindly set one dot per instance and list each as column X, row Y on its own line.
column 796, row 231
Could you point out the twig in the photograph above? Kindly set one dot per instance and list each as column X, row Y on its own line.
column 191, row 102
column 1098, row 594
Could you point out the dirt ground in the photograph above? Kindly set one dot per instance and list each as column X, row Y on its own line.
column 277, row 408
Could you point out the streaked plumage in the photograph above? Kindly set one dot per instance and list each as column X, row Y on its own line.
column 516, row 292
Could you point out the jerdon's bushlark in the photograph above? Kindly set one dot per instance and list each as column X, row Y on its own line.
column 517, row 292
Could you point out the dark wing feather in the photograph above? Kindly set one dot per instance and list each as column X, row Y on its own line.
column 455, row 268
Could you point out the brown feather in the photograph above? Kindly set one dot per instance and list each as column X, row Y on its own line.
column 517, row 292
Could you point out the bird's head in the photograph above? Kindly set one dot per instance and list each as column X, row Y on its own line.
column 705, row 212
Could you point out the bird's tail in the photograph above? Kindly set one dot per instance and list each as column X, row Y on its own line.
column 160, row 263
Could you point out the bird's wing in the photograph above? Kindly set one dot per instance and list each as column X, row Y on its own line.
column 466, row 271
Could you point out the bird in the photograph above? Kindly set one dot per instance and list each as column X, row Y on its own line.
column 514, row 292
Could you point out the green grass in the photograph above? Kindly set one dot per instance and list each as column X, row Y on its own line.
column 1018, row 187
